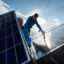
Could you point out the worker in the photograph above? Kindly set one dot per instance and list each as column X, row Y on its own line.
column 28, row 25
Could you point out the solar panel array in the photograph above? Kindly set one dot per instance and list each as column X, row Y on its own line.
column 11, row 46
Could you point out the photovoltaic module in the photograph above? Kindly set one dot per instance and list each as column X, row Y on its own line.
column 11, row 47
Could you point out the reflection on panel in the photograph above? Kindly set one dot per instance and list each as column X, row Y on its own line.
column 56, row 37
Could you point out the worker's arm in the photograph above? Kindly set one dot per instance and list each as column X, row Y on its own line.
column 40, row 29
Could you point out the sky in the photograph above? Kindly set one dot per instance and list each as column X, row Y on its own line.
column 51, row 12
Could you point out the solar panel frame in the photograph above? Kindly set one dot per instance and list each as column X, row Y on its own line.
column 23, row 40
column 9, row 35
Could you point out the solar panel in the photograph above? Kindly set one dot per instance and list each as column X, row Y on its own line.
column 57, row 37
column 11, row 47
column 55, row 56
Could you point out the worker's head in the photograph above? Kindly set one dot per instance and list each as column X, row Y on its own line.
column 20, row 21
column 35, row 16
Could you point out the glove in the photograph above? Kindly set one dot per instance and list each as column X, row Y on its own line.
column 42, row 32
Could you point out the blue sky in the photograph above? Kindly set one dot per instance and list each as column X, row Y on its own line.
column 50, row 11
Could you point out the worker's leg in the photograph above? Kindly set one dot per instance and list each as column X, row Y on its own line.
column 27, row 36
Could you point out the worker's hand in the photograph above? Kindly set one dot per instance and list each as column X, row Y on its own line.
column 42, row 32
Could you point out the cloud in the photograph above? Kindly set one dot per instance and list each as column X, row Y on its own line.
column 41, row 21
column 35, row 11
column 57, row 21
column 3, row 7
column 29, row 14
column 3, row 3
column 53, row 5
column 20, row 14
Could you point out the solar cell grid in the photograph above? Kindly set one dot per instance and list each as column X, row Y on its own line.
column 2, row 58
column 2, row 20
column 2, row 44
column 8, row 31
column 2, row 26
column 15, row 28
column 9, row 41
column 17, row 38
column 11, row 56
column 11, row 47
column 19, row 54
column 2, row 34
